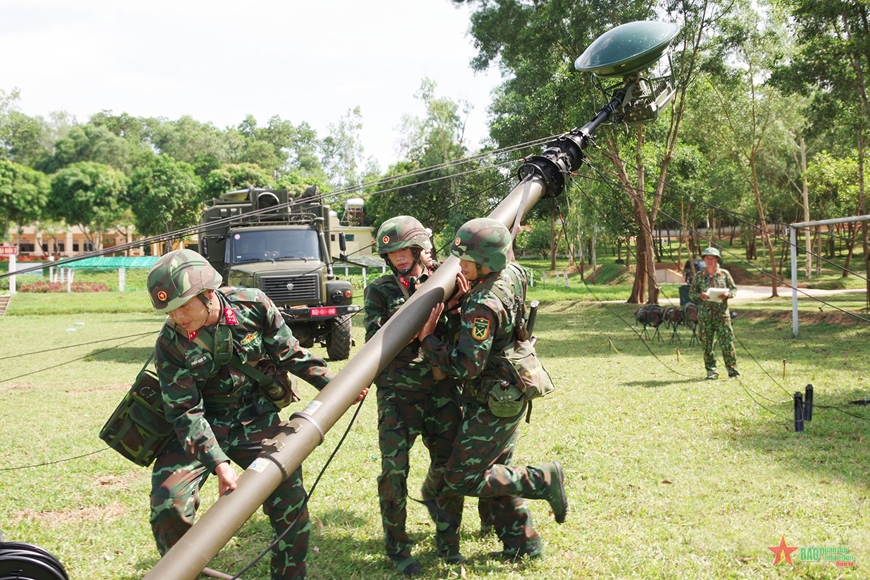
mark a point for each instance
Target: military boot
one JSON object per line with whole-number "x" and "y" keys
{"x": 554, "y": 493}
{"x": 534, "y": 550}
{"x": 407, "y": 566}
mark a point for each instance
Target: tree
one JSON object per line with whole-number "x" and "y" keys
{"x": 343, "y": 151}
{"x": 202, "y": 145}
{"x": 832, "y": 64}
{"x": 438, "y": 197}
{"x": 89, "y": 195}
{"x": 536, "y": 43}
{"x": 21, "y": 137}
{"x": 91, "y": 143}
{"x": 23, "y": 194}
{"x": 231, "y": 177}
{"x": 165, "y": 196}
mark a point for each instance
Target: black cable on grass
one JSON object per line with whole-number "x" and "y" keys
{"x": 77, "y": 345}
{"x": 71, "y": 361}
{"x": 308, "y": 495}
{"x": 45, "y": 463}
{"x": 632, "y": 327}
{"x": 748, "y": 391}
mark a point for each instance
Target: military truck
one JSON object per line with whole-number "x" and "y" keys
{"x": 256, "y": 239}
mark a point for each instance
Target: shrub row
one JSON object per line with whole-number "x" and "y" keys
{"x": 45, "y": 287}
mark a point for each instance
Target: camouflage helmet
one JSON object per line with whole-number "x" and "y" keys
{"x": 484, "y": 241}
{"x": 712, "y": 252}
{"x": 179, "y": 276}
{"x": 401, "y": 232}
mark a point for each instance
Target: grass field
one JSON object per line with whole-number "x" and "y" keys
{"x": 668, "y": 475}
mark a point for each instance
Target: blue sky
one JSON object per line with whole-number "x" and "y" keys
{"x": 219, "y": 61}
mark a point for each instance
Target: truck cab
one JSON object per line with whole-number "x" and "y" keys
{"x": 261, "y": 238}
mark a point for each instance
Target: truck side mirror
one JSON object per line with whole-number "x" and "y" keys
{"x": 342, "y": 246}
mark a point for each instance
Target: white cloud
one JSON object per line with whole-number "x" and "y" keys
{"x": 219, "y": 61}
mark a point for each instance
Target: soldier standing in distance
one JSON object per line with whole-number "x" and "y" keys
{"x": 218, "y": 411}
{"x": 480, "y": 464}
{"x": 412, "y": 401}
{"x": 714, "y": 319}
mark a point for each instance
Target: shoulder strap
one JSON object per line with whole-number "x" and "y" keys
{"x": 248, "y": 369}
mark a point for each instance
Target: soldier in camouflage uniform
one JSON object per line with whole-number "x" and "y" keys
{"x": 218, "y": 412}
{"x": 412, "y": 401}
{"x": 480, "y": 464}
{"x": 714, "y": 319}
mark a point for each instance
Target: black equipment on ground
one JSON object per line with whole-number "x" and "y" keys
{"x": 28, "y": 562}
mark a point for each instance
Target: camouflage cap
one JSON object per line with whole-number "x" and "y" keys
{"x": 485, "y": 241}
{"x": 179, "y": 276}
{"x": 712, "y": 252}
{"x": 401, "y": 232}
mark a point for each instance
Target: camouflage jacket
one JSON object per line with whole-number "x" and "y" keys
{"x": 702, "y": 282}
{"x": 409, "y": 370}
{"x": 485, "y": 327}
{"x": 188, "y": 375}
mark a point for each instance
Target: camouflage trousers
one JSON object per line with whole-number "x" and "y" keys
{"x": 712, "y": 327}
{"x": 403, "y": 415}
{"x": 480, "y": 466}
{"x": 176, "y": 480}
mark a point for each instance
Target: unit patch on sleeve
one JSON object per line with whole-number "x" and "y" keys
{"x": 480, "y": 329}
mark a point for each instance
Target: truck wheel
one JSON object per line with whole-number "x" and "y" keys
{"x": 339, "y": 339}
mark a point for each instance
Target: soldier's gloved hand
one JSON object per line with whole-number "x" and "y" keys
{"x": 226, "y": 477}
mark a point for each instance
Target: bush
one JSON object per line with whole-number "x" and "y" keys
{"x": 45, "y": 287}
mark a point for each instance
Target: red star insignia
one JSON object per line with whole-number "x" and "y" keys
{"x": 782, "y": 551}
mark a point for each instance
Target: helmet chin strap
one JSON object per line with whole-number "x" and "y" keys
{"x": 415, "y": 251}
{"x": 208, "y": 306}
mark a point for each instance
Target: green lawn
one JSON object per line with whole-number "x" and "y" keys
{"x": 668, "y": 475}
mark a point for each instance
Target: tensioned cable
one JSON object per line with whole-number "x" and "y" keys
{"x": 745, "y": 388}
{"x": 71, "y": 361}
{"x": 608, "y": 180}
{"x": 740, "y": 217}
{"x": 77, "y": 345}
{"x": 603, "y": 215}
{"x": 177, "y": 234}
{"x": 45, "y": 463}
{"x": 308, "y": 495}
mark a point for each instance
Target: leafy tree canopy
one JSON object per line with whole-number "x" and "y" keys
{"x": 88, "y": 194}
{"x": 165, "y": 196}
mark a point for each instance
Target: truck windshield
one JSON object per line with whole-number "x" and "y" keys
{"x": 273, "y": 245}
